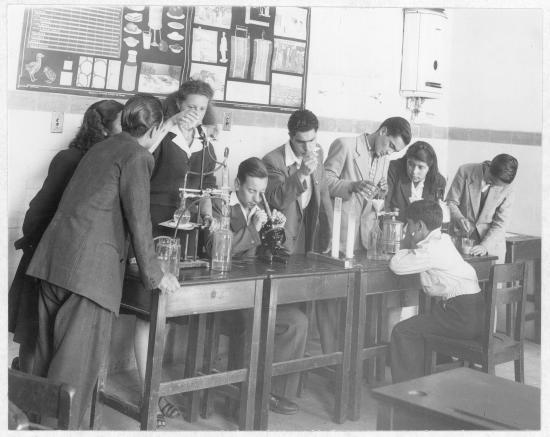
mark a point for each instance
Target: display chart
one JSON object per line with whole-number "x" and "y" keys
{"x": 253, "y": 57}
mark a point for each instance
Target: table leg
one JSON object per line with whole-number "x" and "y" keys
{"x": 267, "y": 338}
{"x": 212, "y": 343}
{"x": 384, "y": 418}
{"x": 153, "y": 370}
{"x": 248, "y": 386}
{"x": 343, "y": 370}
{"x": 372, "y": 305}
{"x": 195, "y": 348}
{"x": 381, "y": 333}
{"x": 358, "y": 340}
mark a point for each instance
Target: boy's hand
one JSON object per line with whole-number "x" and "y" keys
{"x": 479, "y": 250}
{"x": 169, "y": 283}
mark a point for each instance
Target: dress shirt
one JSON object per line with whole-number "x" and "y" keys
{"x": 290, "y": 160}
{"x": 378, "y": 164}
{"x": 248, "y": 214}
{"x": 416, "y": 192}
{"x": 443, "y": 271}
{"x": 183, "y": 143}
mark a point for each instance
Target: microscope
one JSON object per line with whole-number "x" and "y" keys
{"x": 272, "y": 236}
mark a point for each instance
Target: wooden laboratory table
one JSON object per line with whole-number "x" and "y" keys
{"x": 305, "y": 280}
{"x": 378, "y": 282}
{"x": 202, "y": 291}
{"x": 249, "y": 283}
{"x": 459, "y": 399}
{"x": 527, "y": 248}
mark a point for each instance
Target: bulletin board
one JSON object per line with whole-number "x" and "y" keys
{"x": 253, "y": 57}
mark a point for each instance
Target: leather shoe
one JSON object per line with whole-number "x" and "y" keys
{"x": 281, "y": 405}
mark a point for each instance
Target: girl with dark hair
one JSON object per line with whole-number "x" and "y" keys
{"x": 180, "y": 151}
{"x": 81, "y": 258}
{"x": 413, "y": 177}
{"x": 101, "y": 120}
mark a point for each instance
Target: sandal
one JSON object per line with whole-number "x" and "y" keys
{"x": 161, "y": 421}
{"x": 167, "y": 408}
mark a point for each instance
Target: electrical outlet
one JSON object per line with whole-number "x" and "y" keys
{"x": 57, "y": 123}
{"x": 227, "y": 120}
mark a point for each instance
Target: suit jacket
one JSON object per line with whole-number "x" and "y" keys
{"x": 84, "y": 248}
{"x": 399, "y": 187}
{"x": 283, "y": 189}
{"x": 349, "y": 161}
{"x": 464, "y": 197}
{"x": 245, "y": 237}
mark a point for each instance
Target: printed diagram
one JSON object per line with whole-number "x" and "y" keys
{"x": 289, "y": 56}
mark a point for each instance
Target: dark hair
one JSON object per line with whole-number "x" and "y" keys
{"x": 97, "y": 119}
{"x": 302, "y": 120}
{"x": 253, "y": 167}
{"x": 504, "y": 167}
{"x": 422, "y": 151}
{"x": 141, "y": 112}
{"x": 426, "y": 210}
{"x": 170, "y": 104}
{"x": 397, "y": 127}
{"x": 194, "y": 87}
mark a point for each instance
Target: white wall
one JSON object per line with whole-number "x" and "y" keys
{"x": 496, "y": 71}
{"x": 496, "y": 83}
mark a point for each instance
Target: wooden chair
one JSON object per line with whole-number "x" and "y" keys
{"x": 506, "y": 287}
{"x": 36, "y": 396}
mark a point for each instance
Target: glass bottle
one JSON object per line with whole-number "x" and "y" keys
{"x": 221, "y": 246}
{"x": 130, "y": 72}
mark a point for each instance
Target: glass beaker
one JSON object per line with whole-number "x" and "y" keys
{"x": 466, "y": 245}
{"x": 168, "y": 253}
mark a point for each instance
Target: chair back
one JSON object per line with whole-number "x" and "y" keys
{"x": 506, "y": 286}
{"x": 39, "y": 396}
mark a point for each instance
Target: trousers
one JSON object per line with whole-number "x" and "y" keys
{"x": 460, "y": 317}
{"x": 291, "y": 327}
{"x": 73, "y": 338}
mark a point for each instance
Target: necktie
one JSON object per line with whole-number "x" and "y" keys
{"x": 483, "y": 198}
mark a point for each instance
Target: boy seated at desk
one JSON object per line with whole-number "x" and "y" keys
{"x": 443, "y": 273}
{"x": 247, "y": 219}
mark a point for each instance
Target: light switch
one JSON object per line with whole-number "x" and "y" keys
{"x": 227, "y": 120}
{"x": 57, "y": 123}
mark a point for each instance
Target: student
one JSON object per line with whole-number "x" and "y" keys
{"x": 80, "y": 260}
{"x": 101, "y": 120}
{"x": 357, "y": 167}
{"x": 180, "y": 151}
{"x": 247, "y": 219}
{"x": 443, "y": 273}
{"x": 297, "y": 185}
{"x": 480, "y": 202}
{"x": 413, "y": 177}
